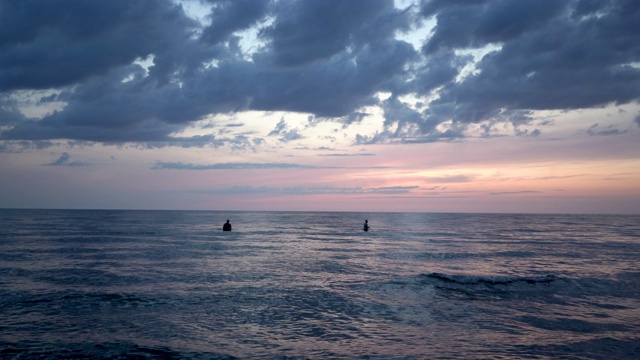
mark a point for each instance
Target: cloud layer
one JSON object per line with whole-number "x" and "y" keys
{"x": 163, "y": 165}
{"x": 140, "y": 71}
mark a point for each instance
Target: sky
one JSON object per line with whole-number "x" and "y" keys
{"x": 507, "y": 106}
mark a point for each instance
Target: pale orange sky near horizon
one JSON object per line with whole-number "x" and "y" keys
{"x": 381, "y": 106}
{"x": 495, "y": 175}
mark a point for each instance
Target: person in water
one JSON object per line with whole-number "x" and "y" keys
{"x": 366, "y": 225}
{"x": 226, "y": 226}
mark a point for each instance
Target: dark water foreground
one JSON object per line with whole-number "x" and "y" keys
{"x": 164, "y": 284}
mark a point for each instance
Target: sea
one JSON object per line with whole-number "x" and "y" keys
{"x": 107, "y": 284}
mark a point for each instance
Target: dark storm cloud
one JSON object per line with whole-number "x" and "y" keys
{"x": 306, "y": 31}
{"x": 113, "y": 100}
{"x": 469, "y": 24}
{"x": 9, "y": 113}
{"x": 229, "y": 16}
{"x": 325, "y": 58}
{"x": 562, "y": 55}
{"x": 45, "y": 44}
{"x": 439, "y": 68}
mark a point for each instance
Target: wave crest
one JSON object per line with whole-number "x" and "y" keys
{"x": 491, "y": 280}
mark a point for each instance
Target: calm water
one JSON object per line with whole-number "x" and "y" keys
{"x": 159, "y": 284}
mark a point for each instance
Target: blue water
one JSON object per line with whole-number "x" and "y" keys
{"x": 302, "y": 285}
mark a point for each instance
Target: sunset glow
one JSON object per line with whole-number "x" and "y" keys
{"x": 322, "y": 105}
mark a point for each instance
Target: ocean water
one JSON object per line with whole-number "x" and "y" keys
{"x": 313, "y": 285}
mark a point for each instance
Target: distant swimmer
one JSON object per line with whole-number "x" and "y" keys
{"x": 226, "y": 226}
{"x": 366, "y": 225}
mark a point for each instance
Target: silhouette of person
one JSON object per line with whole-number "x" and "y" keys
{"x": 366, "y": 225}
{"x": 226, "y": 226}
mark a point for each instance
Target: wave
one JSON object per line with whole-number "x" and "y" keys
{"x": 491, "y": 280}
{"x": 110, "y": 350}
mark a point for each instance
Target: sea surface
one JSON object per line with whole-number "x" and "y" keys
{"x": 314, "y": 285}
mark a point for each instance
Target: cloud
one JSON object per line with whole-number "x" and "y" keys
{"x": 393, "y": 189}
{"x": 465, "y": 24}
{"x": 280, "y": 126}
{"x": 22, "y": 145}
{"x": 47, "y": 44}
{"x": 64, "y": 160}
{"x": 307, "y": 31}
{"x": 499, "y": 193}
{"x": 347, "y": 155}
{"x": 562, "y": 56}
{"x": 228, "y": 16}
{"x": 9, "y": 112}
{"x": 311, "y": 190}
{"x": 449, "y": 179}
{"x": 110, "y": 98}
{"x": 140, "y": 71}
{"x": 163, "y": 165}
{"x": 284, "y": 134}
{"x": 594, "y": 130}
{"x": 168, "y": 165}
